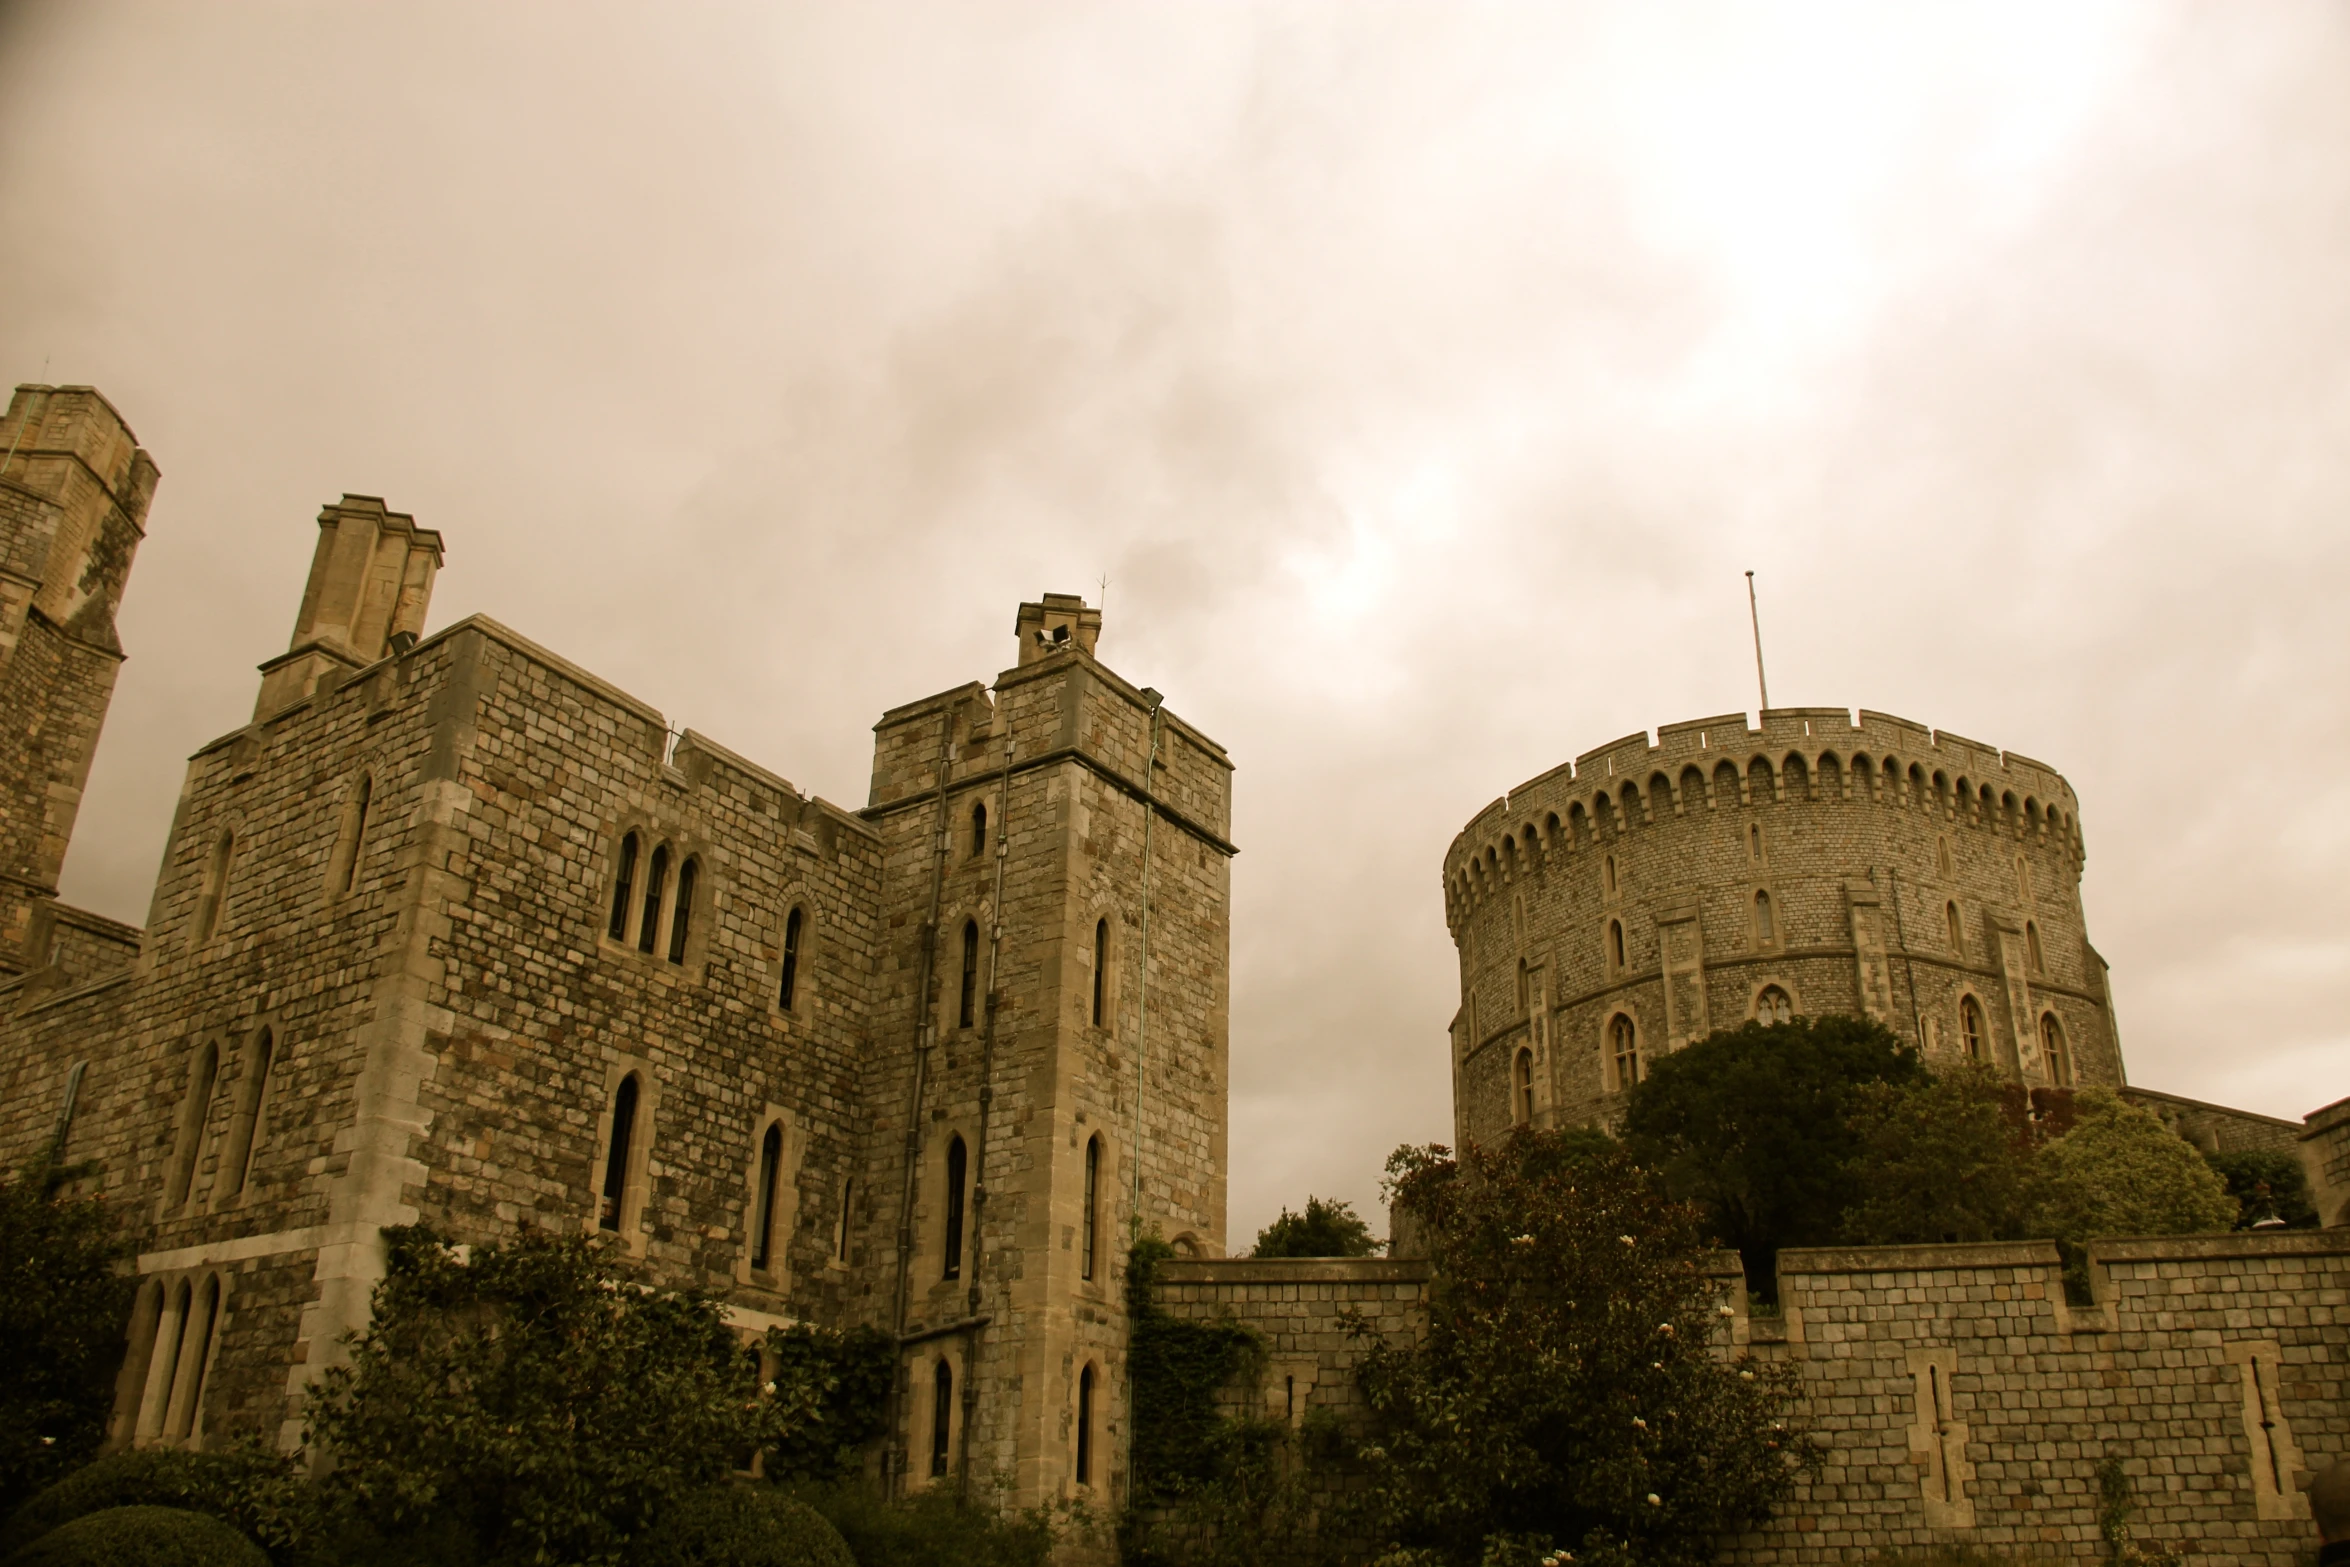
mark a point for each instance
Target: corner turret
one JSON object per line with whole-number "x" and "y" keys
{"x": 370, "y": 584}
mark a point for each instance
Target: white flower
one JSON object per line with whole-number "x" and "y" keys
{"x": 1746, "y": 1376}
{"x": 1521, "y": 1240}
{"x": 1626, "y": 1239}
{"x": 1664, "y": 1327}
{"x": 1642, "y": 1424}
{"x": 769, "y": 1389}
{"x": 1725, "y": 1311}
{"x": 1655, "y": 1500}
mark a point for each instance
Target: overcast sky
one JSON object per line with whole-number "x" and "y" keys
{"x": 1422, "y": 380}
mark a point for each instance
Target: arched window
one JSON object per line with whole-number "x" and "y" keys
{"x": 848, "y": 1191}
{"x": 942, "y": 1417}
{"x": 1101, "y": 970}
{"x": 608, "y": 1212}
{"x": 958, "y": 1170}
{"x": 1524, "y": 994}
{"x": 163, "y": 1369}
{"x": 788, "y": 990}
{"x": 770, "y": 1174}
{"x": 1615, "y": 945}
{"x": 195, "y": 1112}
{"x": 978, "y": 829}
{"x": 1522, "y": 1089}
{"x": 236, "y": 1158}
{"x": 681, "y": 920}
{"x": 2032, "y": 947}
{"x": 1085, "y": 1426}
{"x": 656, "y": 883}
{"x": 185, "y": 1411}
{"x": 214, "y": 898}
{"x": 1088, "y": 1244}
{"x": 1970, "y": 1027}
{"x": 1774, "y": 1005}
{"x": 623, "y": 884}
{"x": 2023, "y": 878}
{"x": 2060, "y": 1064}
{"x": 353, "y": 837}
{"x": 967, "y": 1008}
{"x": 1766, "y": 930}
{"x": 1624, "y": 1045}
{"x": 1608, "y": 872}
{"x": 1754, "y": 842}
{"x": 1957, "y": 931}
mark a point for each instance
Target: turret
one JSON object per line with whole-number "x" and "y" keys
{"x": 370, "y": 584}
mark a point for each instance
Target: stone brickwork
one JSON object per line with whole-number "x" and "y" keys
{"x": 1301, "y": 1307}
{"x": 2325, "y": 1153}
{"x": 1649, "y": 894}
{"x": 455, "y": 932}
{"x": 74, "y": 489}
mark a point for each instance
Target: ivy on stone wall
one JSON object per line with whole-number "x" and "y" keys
{"x": 1180, "y": 1442}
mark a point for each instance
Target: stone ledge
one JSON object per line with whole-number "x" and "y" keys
{"x": 1918, "y": 1259}
{"x": 1294, "y": 1270}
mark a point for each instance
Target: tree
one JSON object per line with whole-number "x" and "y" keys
{"x": 2120, "y": 1171}
{"x": 64, "y": 1301}
{"x": 1325, "y": 1229}
{"x": 1754, "y": 1125}
{"x": 2267, "y": 1185}
{"x": 1567, "y": 1392}
{"x": 533, "y": 1403}
{"x": 1939, "y": 1159}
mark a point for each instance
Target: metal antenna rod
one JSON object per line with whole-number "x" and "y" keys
{"x": 1755, "y": 615}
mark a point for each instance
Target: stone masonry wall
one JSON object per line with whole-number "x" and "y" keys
{"x": 1299, "y": 1305}
{"x": 1861, "y": 839}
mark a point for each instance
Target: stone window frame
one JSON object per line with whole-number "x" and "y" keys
{"x": 1615, "y": 947}
{"x": 1982, "y": 1050}
{"x": 796, "y": 897}
{"x": 1954, "y": 927}
{"x": 192, "y": 1122}
{"x": 1772, "y": 982}
{"x": 354, "y": 809}
{"x": 636, "y": 1180}
{"x": 931, "y": 1230}
{"x": 843, "y": 1227}
{"x": 1097, "y": 1143}
{"x": 938, "y": 1458}
{"x": 1103, "y": 913}
{"x": 209, "y": 922}
{"x": 248, "y": 1107}
{"x": 1938, "y": 1441}
{"x": 783, "y": 1222}
{"x": 1085, "y": 1413}
{"x": 979, "y": 913}
{"x": 1611, "y": 1077}
{"x": 159, "y": 1398}
{"x": 2057, "y": 1059}
{"x": 1766, "y": 920}
{"x": 2034, "y": 953}
{"x": 685, "y": 847}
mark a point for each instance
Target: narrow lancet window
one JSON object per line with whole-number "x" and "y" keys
{"x": 1101, "y": 969}
{"x": 214, "y": 898}
{"x": 978, "y": 829}
{"x": 1085, "y": 1426}
{"x": 355, "y": 835}
{"x": 967, "y": 1006}
{"x": 958, "y": 1170}
{"x": 1615, "y": 945}
{"x": 2060, "y": 1066}
{"x": 236, "y": 1160}
{"x": 788, "y": 990}
{"x": 848, "y": 1191}
{"x": 195, "y": 1111}
{"x": 1522, "y": 1089}
{"x": 1970, "y": 1027}
{"x": 1624, "y": 1044}
{"x": 1766, "y": 930}
{"x": 763, "y": 1217}
{"x": 608, "y": 1214}
{"x": 942, "y": 1416}
{"x": 681, "y": 922}
{"x": 1087, "y": 1244}
{"x": 656, "y": 883}
{"x": 1957, "y": 931}
{"x": 623, "y": 883}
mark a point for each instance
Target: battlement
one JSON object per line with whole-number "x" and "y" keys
{"x": 1811, "y": 740}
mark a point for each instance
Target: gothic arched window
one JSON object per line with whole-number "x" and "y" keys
{"x": 236, "y": 1159}
{"x": 1766, "y": 929}
{"x": 1088, "y": 1242}
{"x": 770, "y": 1176}
{"x": 1522, "y": 1089}
{"x": 1085, "y": 1426}
{"x": 2032, "y": 950}
{"x": 195, "y": 1112}
{"x": 608, "y": 1211}
{"x": 1101, "y": 970}
{"x": 1970, "y": 1027}
{"x": 1957, "y": 931}
{"x": 656, "y": 883}
{"x": 1774, "y": 1005}
{"x": 942, "y": 1416}
{"x": 681, "y": 920}
{"x": 623, "y": 883}
{"x": 2060, "y": 1064}
{"x": 958, "y": 1172}
{"x": 978, "y": 829}
{"x": 967, "y": 1007}
{"x": 787, "y": 990}
{"x": 1615, "y": 945}
{"x": 1624, "y": 1046}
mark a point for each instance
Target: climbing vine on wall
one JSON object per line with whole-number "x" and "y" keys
{"x": 1180, "y": 1442}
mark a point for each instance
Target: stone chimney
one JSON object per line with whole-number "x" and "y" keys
{"x": 1058, "y": 623}
{"x": 370, "y": 584}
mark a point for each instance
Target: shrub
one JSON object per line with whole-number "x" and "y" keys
{"x": 838, "y": 1385}
{"x": 259, "y": 1494}
{"x": 2120, "y": 1171}
{"x": 739, "y": 1526}
{"x": 1939, "y": 1161}
{"x": 535, "y": 1398}
{"x": 933, "y": 1528}
{"x": 1566, "y": 1392}
{"x": 2266, "y": 1186}
{"x": 62, "y": 1305}
{"x": 1325, "y": 1229}
{"x": 142, "y": 1537}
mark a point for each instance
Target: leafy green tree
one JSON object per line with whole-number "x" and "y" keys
{"x": 2267, "y": 1185}
{"x": 2120, "y": 1171}
{"x": 1325, "y": 1229}
{"x": 1567, "y": 1392}
{"x": 839, "y": 1382}
{"x": 533, "y": 1403}
{"x": 1939, "y": 1159}
{"x": 1755, "y": 1126}
{"x": 64, "y": 1299}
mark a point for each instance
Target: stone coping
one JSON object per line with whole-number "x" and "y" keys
{"x": 1293, "y": 1270}
{"x": 1917, "y": 1259}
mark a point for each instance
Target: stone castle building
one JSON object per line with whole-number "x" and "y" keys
{"x": 454, "y": 931}
{"x": 1638, "y": 898}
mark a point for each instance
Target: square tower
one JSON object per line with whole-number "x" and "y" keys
{"x": 1050, "y": 1048}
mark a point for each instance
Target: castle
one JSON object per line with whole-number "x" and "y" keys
{"x": 453, "y": 931}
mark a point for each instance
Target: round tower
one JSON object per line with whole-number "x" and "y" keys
{"x": 1616, "y": 908}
